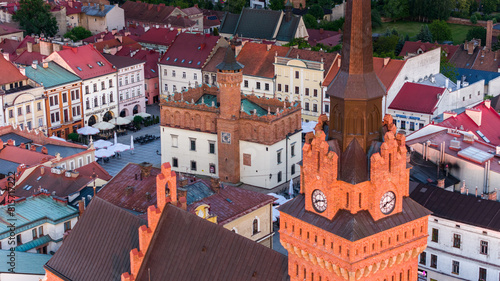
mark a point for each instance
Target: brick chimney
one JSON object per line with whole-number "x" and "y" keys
{"x": 29, "y": 47}
{"x": 489, "y": 34}
{"x": 475, "y": 115}
{"x": 487, "y": 103}
{"x": 440, "y": 183}
{"x": 145, "y": 169}
{"x": 44, "y": 150}
{"x": 448, "y": 114}
{"x": 215, "y": 184}
{"x": 45, "y": 48}
{"x": 1, "y": 144}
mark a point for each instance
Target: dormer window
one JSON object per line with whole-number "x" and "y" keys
{"x": 199, "y": 48}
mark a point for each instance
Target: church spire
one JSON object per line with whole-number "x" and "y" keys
{"x": 356, "y": 92}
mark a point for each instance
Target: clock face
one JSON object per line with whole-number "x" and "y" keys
{"x": 388, "y": 202}
{"x": 319, "y": 201}
{"x": 225, "y": 137}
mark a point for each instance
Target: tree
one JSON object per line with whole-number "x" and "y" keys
{"x": 489, "y": 6}
{"x": 385, "y": 46}
{"x": 463, "y": 6}
{"x": 397, "y": 9}
{"x": 310, "y": 21}
{"x": 425, "y": 34}
{"x": 317, "y": 11}
{"x": 477, "y": 32}
{"x": 276, "y": 5}
{"x": 78, "y": 33}
{"x": 376, "y": 19}
{"x": 440, "y": 31}
{"x": 216, "y": 31}
{"x": 235, "y": 6}
{"x": 447, "y": 68}
{"x": 35, "y": 18}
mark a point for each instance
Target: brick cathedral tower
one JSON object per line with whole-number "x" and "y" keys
{"x": 353, "y": 219}
{"x": 229, "y": 77}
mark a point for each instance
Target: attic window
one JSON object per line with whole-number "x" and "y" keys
{"x": 90, "y": 66}
{"x": 190, "y": 61}
{"x": 175, "y": 59}
{"x": 199, "y": 63}
{"x": 99, "y": 63}
{"x": 183, "y": 61}
{"x": 168, "y": 58}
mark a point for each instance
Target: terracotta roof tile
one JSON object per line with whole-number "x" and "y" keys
{"x": 258, "y": 59}
{"x": 151, "y": 57}
{"x": 6, "y": 29}
{"x": 145, "y": 12}
{"x": 416, "y": 97}
{"x": 158, "y": 36}
{"x": 325, "y": 37}
{"x": 27, "y": 58}
{"x": 23, "y": 156}
{"x": 79, "y": 59}
{"x": 9, "y": 73}
{"x": 413, "y": 47}
{"x": 327, "y": 58}
{"x": 190, "y": 50}
{"x": 217, "y": 58}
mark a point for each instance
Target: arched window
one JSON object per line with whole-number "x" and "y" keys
{"x": 256, "y": 226}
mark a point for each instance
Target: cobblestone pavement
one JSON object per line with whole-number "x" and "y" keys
{"x": 141, "y": 153}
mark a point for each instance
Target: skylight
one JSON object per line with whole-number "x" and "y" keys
{"x": 79, "y": 68}
{"x": 190, "y": 61}
{"x": 175, "y": 59}
{"x": 99, "y": 63}
{"x": 168, "y": 58}
{"x": 153, "y": 70}
{"x": 90, "y": 66}
{"x": 199, "y": 63}
{"x": 182, "y": 60}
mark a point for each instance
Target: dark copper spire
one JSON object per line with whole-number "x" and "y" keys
{"x": 356, "y": 92}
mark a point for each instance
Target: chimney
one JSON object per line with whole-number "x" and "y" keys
{"x": 81, "y": 207}
{"x": 45, "y": 64}
{"x": 492, "y": 196}
{"x": 29, "y": 47}
{"x": 215, "y": 184}
{"x": 42, "y": 170}
{"x": 440, "y": 183}
{"x": 34, "y": 64}
{"x": 470, "y": 47}
{"x": 321, "y": 31}
{"x": 183, "y": 182}
{"x": 487, "y": 103}
{"x": 268, "y": 47}
{"x": 45, "y": 48}
{"x": 448, "y": 114}
{"x": 447, "y": 83}
{"x": 474, "y": 114}
{"x": 33, "y": 148}
{"x": 145, "y": 169}
{"x": 44, "y": 150}
{"x": 489, "y": 34}
{"x": 386, "y": 61}
{"x": 113, "y": 31}
{"x": 1, "y": 144}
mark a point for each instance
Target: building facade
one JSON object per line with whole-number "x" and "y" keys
{"x": 99, "y": 17}
{"x": 63, "y": 101}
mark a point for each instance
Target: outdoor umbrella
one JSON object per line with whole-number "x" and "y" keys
{"x": 57, "y": 138}
{"x": 143, "y": 114}
{"x": 119, "y": 121}
{"x": 102, "y": 144}
{"x": 100, "y": 153}
{"x": 87, "y": 130}
{"x": 132, "y": 143}
{"x": 103, "y": 126}
{"x": 290, "y": 189}
{"x": 130, "y": 117}
{"x": 115, "y": 138}
{"x": 119, "y": 147}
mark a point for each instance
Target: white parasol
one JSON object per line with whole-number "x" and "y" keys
{"x": 103, "y": 126}
{"x": 119, "y": 147}
{"x": 131, "y": 142}
{"x": 143, "y": 114}
{"x": 118, "y": 121}
{"x": 102, "y": 144}
{"x": 115, "y": 139}
{"x": 87, "y": 130}
{"x": 104, "y": 153}
{"x": 290, "y": 189}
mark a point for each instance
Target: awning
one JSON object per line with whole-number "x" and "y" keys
{"x": 34, "y": 243}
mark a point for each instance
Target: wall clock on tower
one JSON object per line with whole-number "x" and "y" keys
{"x": 319, "y": 201}
{"x": 226, "y": 137}
{"x": 387, "y": 202}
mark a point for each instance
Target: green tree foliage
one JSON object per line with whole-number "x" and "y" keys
{"x": 35, "y": 18}
{"x": 440, "y": 31}
{"x": 385, "y": 46}
{"x": 473, "y": 19}
{"x": 463, "y": 6}
{"x": 489, "y": 6}
{"x": 316, "y": 11}
{"x": 216, "y": 31}
{"x": 276, "y": 5}
{"x": 310, "y": 21}
{"x": 447, "y": 68}
{"x": 427, "y": 10}
{"x": 401, "y": 43}
{"x": 477, "y": 32}
{"x": 78, "y": 33}
{"x": 235, "y": 6}
{"x": 397, "y": 9}
{"x": 327, "y": 4}
{"x": 425, "y": 34}
{"x": 376, "y": 19}
{"x": 332, "y": 25}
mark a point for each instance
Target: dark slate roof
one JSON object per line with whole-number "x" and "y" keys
{"x": 425, "y": 172}
{"x": 99, "y": 246}
{"x": 229, "y": 62}
{"x": 229, "y": 23}
{"x": 7, "y": 166}
{"x": 458, "y": 207}
{"x": 186, "y": 247}
{"x": 16, "y": 138}
{"x": 196, "y": 191}
{"x": 495, "y": 103}
{"x": 122, "y": 61}
{"x": 287, "y": 29}
{"x": 357, "y": 226}
{"x": 64, "y": 151}
{"x": 473, "y": 75}
{"x": 354, "y": 164}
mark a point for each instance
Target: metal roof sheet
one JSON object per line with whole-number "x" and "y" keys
{"x": 16, "y": 138}
{"x": 26, "y": 263}
{"x": 34, "y": 243}
{"x": 52, "y": 76}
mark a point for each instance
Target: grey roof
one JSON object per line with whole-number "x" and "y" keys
{"x": 423, "y": 171}
{"x": 65, "y": 151}
{"x": 16, "y": 138}
{"x": 458, "y": 207}
{"x": 357, "y": 226}
{"x": 197, "y": 191}
{"x": 287, "y": 29}
{"x": 473, "y": 75}
{"x": 7, "y": 166}
{"x": 229, "y": 62}
{"x": 95, "y": 12}
{"x": 229, "y": 23}
{"x": 26, "y": 263}
{"x": 121, "y": 61}
{"x": 99, "y": 246}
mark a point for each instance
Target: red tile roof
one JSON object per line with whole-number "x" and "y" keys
{"x": 327, "y": 58}
{"x": 9, "y": 46}
{"x": 150, "y": 56}
{"x": 413, "y": 47}
{"x": 60, "y": 184}
{"x": 145, "y": 12}
{"x": 105, "y": 35}
{"x": 23, "y": 156}
{"x": 231, "y": 203}
{"x": 128, "y": 189}
{"x": 192, "y": 11}
{"x": 258, "y": 59}
{"x": 217, "y": 58}
{"x": 9, "y": 73}
{"x": 490, "y": 123}
{"x": 158, "y": 36}
{"x": 80, "y": 58}
{"x": 27, "y": 58}
{"x": 190, "y": 50}
{"x": 207, "y": 23}
{"x": 6, "y": 29}
{"x": 180, "y": 22}
{"x": 325, "y": 37}
{"x": 417, "y": 98}
{"x": 114, "y": 43}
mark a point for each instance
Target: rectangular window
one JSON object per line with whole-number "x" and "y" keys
{"x": 33, "y": 232}
{"x": 211, "y": 147}
{"x": 103, "y": 86}
{"x": 28, "y": 124}
{"x": 403, "y": 124}
{"x": 95, "y": 86}
{"x": 423, "y": 258}
{"x": 297, "y": 90}
{"x": 484, "y": 247}
{"x": 193, "y": 165}
{"x": 286, "y": 88}
{"x": 211, "y": 168}
{"x": 195, "y": 76}
{"x": 173, "y": 73}
{"x": 65, "y": 97}
{"x": 19, "y": 111}
{"x": 306, "y": 107}
{"x": 110, "y": 83}
{"x": 455, "y": 267}
{"x": 482, "y": 274}
{"x": 456, "y": 240}
{"x": 175, "y": 162}
{"x": 40, "y": 230}
{"x": 51, "y": 101}
{"x": 39, "y": 106}
{"x": 327, "y": 108}
{"x": 87, "y": 89}
{"x": 296, "y": 75}
{"x": 292, "y": 150}
{"x": 166, "y": 87}
{"x": 412, "y": 126}
{"x": 138, "y": 76}
{"x": 245, "y": 83}
{"x": 435, "y": 235}
{"x": 183, "y": 74}
{"x": 434, "y": 261}
{"x": 67, "y": 226}
{"x": 307, "y": 91}
{"x": 266, "y": 86}
{"x": 278, "y": 157}
{"x": 19, "y": 240}
{"x": 279, "y": 87}
{"x": 192, "y": 144}
{"x": 132, "y": 78}
{"x": 258, "y": 85}
{"x": 292, "y": 169}
{"x": 280, "y": 176}
{"x": 315, "y": 93}
{"x": 120, "y": 82}
{"x": 175, "y": 140}
{"x": 165, "y": 72}
{"x": 11, "y": 113}
{"x": 28, "y": 109}
{"x": 315, "y": 107}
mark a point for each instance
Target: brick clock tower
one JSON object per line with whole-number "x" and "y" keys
{"x": 353, "y": 219}
{"x": 229, "y": 78}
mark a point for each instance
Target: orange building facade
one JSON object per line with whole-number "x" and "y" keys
{"x": 64, "y": 109}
